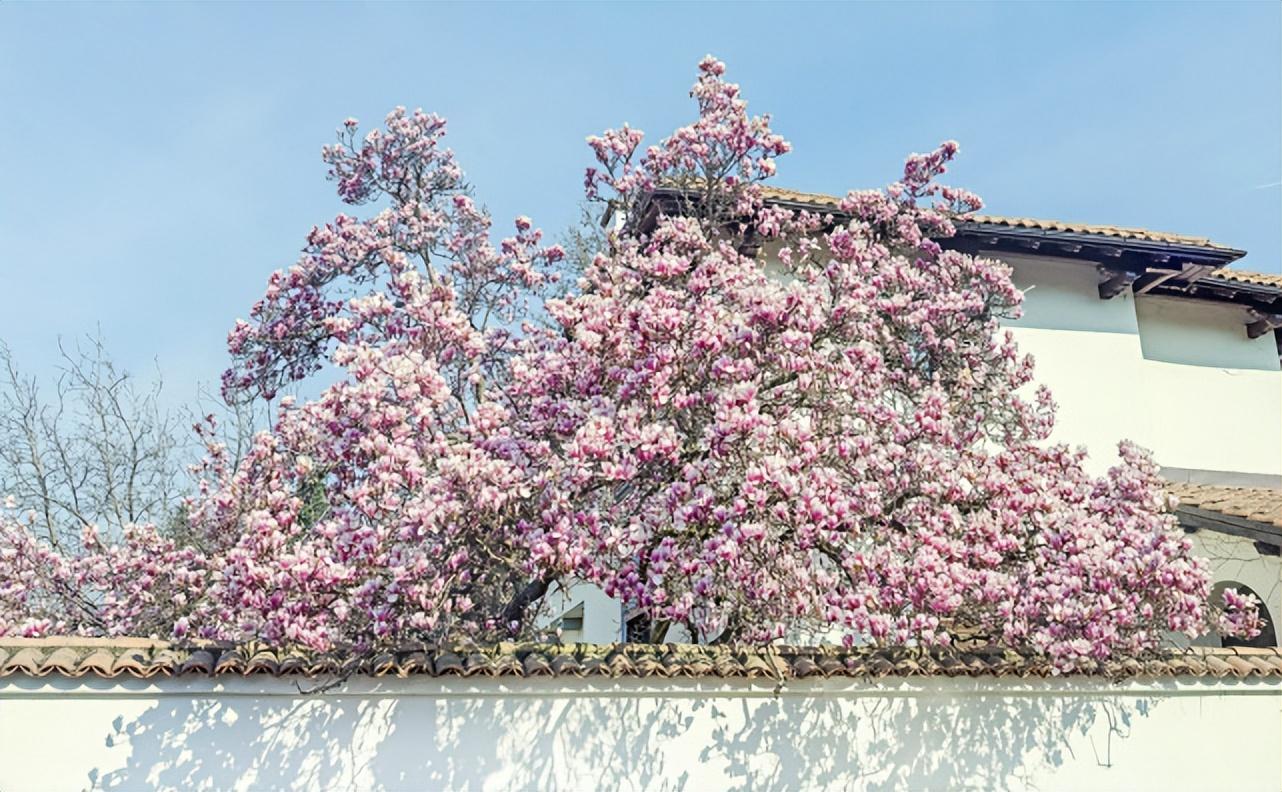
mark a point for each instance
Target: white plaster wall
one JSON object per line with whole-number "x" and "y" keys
{"x": 1097, "y": 387}
{"x": 602, "y": 615}
{"x": 1179, "y": 377}
{"x": 1199, "y": 333}
{"x": 425, "y": 734}
{"x": 1063, "y": 294}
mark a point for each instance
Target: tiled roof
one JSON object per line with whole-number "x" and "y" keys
{"x": 143, "y": 658}
{"x": 821, "y": 201}
{"x": 1250, "y": 503}
{"x": 1119, "y": 232}
{"x": 1253, "y": 278}
{"x": 818, "y": 200}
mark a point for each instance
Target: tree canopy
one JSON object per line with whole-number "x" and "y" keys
{"x": 755, "y": 422}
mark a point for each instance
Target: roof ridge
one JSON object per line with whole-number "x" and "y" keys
{"x": 1200, "y": 485}
{"x": 1140, "y": 233}
{"x": 1248, "y": 276}
{"x": 1002, "y": 218}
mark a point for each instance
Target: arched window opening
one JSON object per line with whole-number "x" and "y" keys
{"x": 1268, "y": 636}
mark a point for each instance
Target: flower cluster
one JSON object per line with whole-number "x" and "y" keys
{"x": 142, "y": 584}
{"x": 836, "y": 443}
{"x": 750, "y": 421}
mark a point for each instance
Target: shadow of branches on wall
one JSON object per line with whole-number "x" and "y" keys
{"x": 616, "y": 736}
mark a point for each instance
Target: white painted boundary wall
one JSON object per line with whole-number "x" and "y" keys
{"x": 433, "y": 734}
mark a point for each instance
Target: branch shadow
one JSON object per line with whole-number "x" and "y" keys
{"x": 612, "y": 736}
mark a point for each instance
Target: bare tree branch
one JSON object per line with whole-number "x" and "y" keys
{"x": 99, "y": 449}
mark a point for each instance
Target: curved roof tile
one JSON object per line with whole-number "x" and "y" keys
{"x": 1251, "y": 503}
{"x": 75, "y": 657}
{"x": 830, "y": 202}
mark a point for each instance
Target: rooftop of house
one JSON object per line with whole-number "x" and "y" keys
{"x": 1253, "y": 513}
{"x": 1258, "y": 504}
{"x": 832, "y": 202}
{"x": 1144, "y": 261}
{"x": 114, "y": 657}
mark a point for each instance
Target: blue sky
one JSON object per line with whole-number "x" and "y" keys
{"x": 160, "y": 161}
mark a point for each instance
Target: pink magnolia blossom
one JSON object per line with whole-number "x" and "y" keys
{"x": 144, "y": 584}
{"x": 844, "y": 444}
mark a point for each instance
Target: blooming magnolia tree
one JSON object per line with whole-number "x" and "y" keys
{"x": 753, "y": 422}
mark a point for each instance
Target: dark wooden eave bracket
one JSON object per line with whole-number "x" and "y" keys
{"x": 1152, "y": 272}
{"x": 1260, "y": 323}
{"x": 1115, "y": 282}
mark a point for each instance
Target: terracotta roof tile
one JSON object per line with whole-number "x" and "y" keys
{"x": 75, "y": 657}
{"x": 1118, "y": 232}
{"x": 1253, "y": 278}
{"x": 99, "y": 662}
{"x": 1251, "y": 503}
{"x": 830, "y": 202}
{"x": 817, "y": 200}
